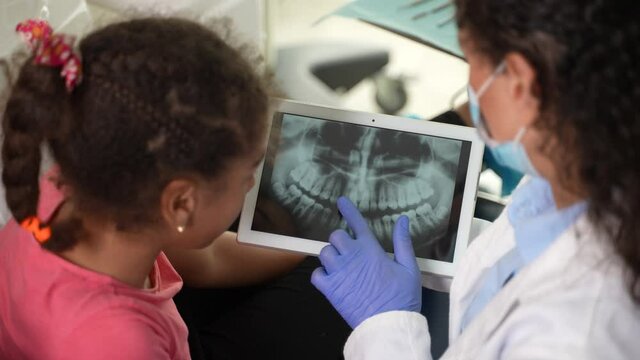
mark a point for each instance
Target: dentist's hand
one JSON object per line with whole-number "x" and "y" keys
{"x": 358, "y": 277}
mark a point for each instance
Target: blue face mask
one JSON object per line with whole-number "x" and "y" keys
{"x": 509, "y": 153}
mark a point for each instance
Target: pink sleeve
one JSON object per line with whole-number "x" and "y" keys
{"x": 115, "y": 336}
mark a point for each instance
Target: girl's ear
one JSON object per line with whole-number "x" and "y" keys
{"x": 523, "y": 85}
{"x": 178, "y": 204}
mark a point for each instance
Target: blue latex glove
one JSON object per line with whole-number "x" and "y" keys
{"x": 359, "y": 278}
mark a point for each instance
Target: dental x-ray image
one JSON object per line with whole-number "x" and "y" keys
{"x": 386, "y": 173}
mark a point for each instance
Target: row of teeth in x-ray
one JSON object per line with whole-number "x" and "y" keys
{"x": 312, "y": 213}
{"x": 393, "y": 197}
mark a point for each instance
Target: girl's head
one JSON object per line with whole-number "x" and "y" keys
{"x": 571, "y": 79}
{"x": 163, "y": 133}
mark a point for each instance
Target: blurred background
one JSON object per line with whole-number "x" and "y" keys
{"x": 430, "y": 77}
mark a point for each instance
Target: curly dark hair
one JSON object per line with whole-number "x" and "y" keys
{"x": 159, "y": 98}
{"x": 586, "y": 56}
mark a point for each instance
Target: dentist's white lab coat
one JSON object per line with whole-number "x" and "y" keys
{"x": 569, "y": 303}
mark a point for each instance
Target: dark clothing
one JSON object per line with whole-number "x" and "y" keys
{"x": 285, "y": 319}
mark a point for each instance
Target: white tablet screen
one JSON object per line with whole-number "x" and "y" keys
{"x": 310, "y": 162}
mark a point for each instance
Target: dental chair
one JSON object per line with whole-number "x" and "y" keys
{"x": 321, "y": 73}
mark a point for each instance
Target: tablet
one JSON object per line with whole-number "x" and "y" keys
{"x": 388, "y": 166}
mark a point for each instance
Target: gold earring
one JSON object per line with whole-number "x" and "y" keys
{"x": 180, "y": 229}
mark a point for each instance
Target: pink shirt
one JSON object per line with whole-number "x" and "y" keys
{"x": 53, "y": 309}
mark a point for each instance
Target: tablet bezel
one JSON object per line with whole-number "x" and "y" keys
{"x": 312, "y": 247}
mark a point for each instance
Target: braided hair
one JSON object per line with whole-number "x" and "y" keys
{"x": 585, "y": 53}
{"x": 160, "y": 98}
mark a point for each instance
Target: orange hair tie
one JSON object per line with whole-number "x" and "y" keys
{"x": 32, "y": 225}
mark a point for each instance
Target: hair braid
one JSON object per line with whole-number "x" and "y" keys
{"x": 25, "y": 127}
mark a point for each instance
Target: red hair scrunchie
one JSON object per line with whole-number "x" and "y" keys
{"x": 52, "y": 49}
